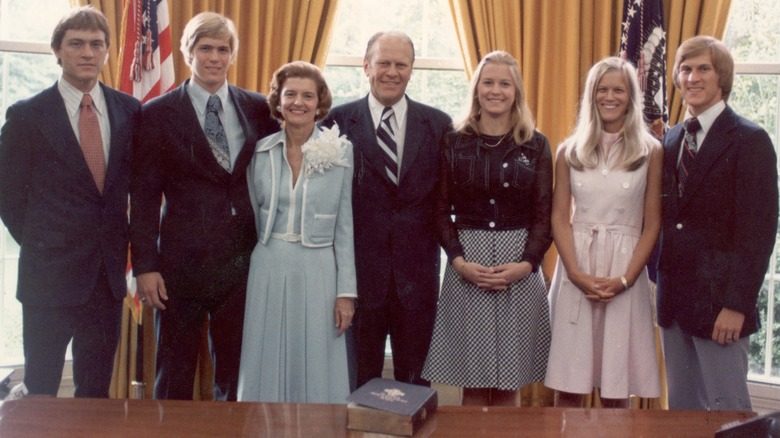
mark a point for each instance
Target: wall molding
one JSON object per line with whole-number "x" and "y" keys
{"x": 765, "y": 398}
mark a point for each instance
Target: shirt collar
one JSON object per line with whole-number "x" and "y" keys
{"x": 707, "y": 118}
{"x": 72, "y": 97}
{"x": 200, "y": 96}
{"x": 399, "y": 109}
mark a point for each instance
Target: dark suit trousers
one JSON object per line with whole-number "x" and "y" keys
{"x": 178, "y": 329}
{"x": 94, "y": 328}
{"x": 410, "y": 333}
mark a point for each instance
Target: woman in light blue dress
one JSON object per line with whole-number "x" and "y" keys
{"x": 302, "y": 274}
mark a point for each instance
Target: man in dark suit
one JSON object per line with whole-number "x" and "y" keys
{"x": 197, "y": 142}
{"x": 393, "y": 196}
{"x": 64, "y": 175}
{"x": 719, "y": 228}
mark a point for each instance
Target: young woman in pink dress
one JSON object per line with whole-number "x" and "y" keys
{"x": 608, "y": 175}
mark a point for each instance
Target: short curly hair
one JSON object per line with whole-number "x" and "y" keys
{"x": 305, "y": 70}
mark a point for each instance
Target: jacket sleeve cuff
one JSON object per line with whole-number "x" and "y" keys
{"x": 454, "y": 251}
{"x": 533, "y": 261}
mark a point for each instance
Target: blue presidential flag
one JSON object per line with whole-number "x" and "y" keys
{"x": 643, "y": 43}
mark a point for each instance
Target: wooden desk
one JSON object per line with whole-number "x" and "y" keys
{"x": 50, "y": 417}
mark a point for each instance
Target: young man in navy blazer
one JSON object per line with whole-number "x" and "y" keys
{"x": 396, "y": 254}
{"x": 63, "y": 197}
{"x": 206, "y": 232}
{"x": 720, "y": 205}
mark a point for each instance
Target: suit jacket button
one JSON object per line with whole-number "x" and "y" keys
{"x": 679, "y": 226}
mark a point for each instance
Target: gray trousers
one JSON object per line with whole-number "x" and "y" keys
{"x": 704, "y": 375}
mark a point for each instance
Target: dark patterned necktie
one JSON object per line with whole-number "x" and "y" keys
{"x": 215, "y": 133}
{"x": 688, "y": 157}
{"x": 387, "y": 142}
{"x": 92, "y": 142}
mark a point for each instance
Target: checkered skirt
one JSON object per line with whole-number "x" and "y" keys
{"x": 490, "y": 339}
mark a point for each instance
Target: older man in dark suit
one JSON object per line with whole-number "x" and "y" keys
{"x": 719, "y": 228}
{"x": 396, "y": 146}
{"x": 197, "y": 142}
{"x": 64, "y": 174}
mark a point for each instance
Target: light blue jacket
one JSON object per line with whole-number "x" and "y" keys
{"x": 327, "y": 204}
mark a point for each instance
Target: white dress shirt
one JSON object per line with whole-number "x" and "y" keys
{"x": 399, "y": 111}
{"x": 72, "y": 97}
{"x": 706, "y": 119}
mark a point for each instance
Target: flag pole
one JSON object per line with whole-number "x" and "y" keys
{"x": 138, "y": 384}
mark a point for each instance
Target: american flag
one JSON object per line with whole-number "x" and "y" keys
{"x": 643, "y": 43}
{"x": 146, "y": 64}
{"x": 145, "y": 71}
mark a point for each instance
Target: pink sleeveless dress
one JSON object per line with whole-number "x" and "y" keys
{"x": 607, "y": 345}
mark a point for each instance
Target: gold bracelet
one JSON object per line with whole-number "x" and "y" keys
{"x": 624, "y": 281}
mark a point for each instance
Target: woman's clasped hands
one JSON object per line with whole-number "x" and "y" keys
{"x": 602, "y": 289}
{"x": 492, "y": 278}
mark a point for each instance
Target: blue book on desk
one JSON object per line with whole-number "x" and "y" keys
{"x": 389, "y": 406}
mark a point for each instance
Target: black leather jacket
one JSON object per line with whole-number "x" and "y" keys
{"x": 508, "y": 186}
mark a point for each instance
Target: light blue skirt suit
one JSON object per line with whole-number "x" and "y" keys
{"x": 303, "y": 260}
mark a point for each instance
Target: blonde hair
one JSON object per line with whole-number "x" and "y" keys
{"x": 209, "y": 25}
{"x": 522, "y": 119}
{"x": 582, "y": 149}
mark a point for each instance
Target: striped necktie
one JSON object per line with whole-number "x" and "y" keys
{"x": 387, "y": 142}
{"x": 688, "y": 157}
{"x": 92, "y": 142}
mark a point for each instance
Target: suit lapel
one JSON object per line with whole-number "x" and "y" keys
{"x": 715, "y": 143}
{"x": 414, "y": 139}
{"x": 364, "y": 139}
{"x": 60, "y": 135}
{"x": 188, "y": 126}
{"x": 275, "y": 161}
{"x": 250, "y": 132}
{"x": 120, "y": 122}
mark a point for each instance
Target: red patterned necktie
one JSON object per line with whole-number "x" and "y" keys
{"x": 92, "y": 141}
{"x": 688, "y": 157}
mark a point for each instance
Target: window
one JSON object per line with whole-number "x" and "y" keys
{"x": 438, "y": 80}
{"x": 753, "y": 37}
{"x": 27, "y": 66}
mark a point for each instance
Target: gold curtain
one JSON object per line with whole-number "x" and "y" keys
{"x": 271, "y": 33}
{"x": 685, "y": 19}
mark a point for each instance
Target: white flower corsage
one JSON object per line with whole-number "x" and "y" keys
{"x": 324, "y": 151}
